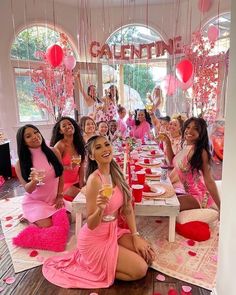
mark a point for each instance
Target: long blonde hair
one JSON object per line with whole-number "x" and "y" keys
{"x": 116, "y": 173}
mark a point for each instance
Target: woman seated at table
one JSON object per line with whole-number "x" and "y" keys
{"x": 142, "y": 125}
{"x": 68, "y": 140}
{"x": 104, "y": 251}
{"x": 173, "y": 137}
{"x": 103, "y": 129}
{"x": 192, "y": 167}
{"x": 113, "y": 131}
{"x": 88, "y": 127}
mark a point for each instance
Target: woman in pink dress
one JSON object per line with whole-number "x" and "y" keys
{"x": 192, "y": 168}
{"x": 122, "y": 127}
{"x": 40, "y": 202}
{"x": 104, "y": 251}
{"x": 67, "y": 139}
{"x": 142, "y": 125}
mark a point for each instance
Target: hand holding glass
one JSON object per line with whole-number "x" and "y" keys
{"x": 107, "y": 187}
{"x": 76, "y": 159}
{"x": 39, "y": 175}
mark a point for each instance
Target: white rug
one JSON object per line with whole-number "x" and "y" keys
{"x": 10, "y": 212}
{"x": 186, "y": 260}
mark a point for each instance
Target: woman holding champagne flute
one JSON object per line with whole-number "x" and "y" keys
{"x": 40, "y": 172}
{"x": 104, "y": 251}
{"x": 68, "y": 140}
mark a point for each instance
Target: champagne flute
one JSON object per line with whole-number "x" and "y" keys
{"x": 40, "y": 175}
{"x": 76, "y": 159}
{"x": 107, "y": 187}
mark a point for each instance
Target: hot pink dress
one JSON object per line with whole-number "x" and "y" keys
{"x": 93, "y": 263}
{"x": 71, "y": 176}
{"x": 40, "y": 203}
{"x": 192, "y": 182}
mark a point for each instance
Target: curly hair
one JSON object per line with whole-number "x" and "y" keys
{"x": 147, "y": 117}
{"x": 78, "y": 140}
{"x": 116, "y": 173}
{"x": 201, "y": 144}
{"x": 25, "y": 157}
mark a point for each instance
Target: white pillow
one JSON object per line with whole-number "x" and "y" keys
{"x": 205, "y": 215}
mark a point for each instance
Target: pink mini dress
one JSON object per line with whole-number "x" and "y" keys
{"x": 40, "y": 203}
{"x": 93, "y": 263}
{"x": 192, "y": 182}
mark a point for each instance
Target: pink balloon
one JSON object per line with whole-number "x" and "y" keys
{"x": 185, "y": 86}
{"x": 169, "y": 85}
{"x": 204, "y": 5}
{"x": 69, "y": 62}
{"x": 54, "y": 55}
{"x": 213, "y": 33}
{"x": 184, "y": 70}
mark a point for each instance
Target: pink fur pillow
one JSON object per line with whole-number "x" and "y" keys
{"x": 51, "y": 238}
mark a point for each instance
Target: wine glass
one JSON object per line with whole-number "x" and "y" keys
{"x": 76, "y": 160}
{"x": 40, "y": 175}
{"x": 107, "y": 188}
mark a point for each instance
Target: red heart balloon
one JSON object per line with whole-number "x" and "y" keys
{"x": 54, "y": 55}
{"x": 184, "y": 70}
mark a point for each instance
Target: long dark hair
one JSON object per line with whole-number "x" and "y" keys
{"x": 95, "y": 98}
{"x": 201, "y": 144}
{"x": 147, "y": 116}
{"x": 25, "y": 157}
{"x": 78, "y": 140}
{"x": 116, "y": 173}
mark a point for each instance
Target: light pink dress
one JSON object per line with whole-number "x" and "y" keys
{"x": 93, "y": 263}
{"x": 108, "y": 115}
{"x": 192, "y": 182}
{"x": 121, "y": 126}
{"x": 140, "y": 130}
{"x": 40, "y": 203}
{"x": 71, "y": 176}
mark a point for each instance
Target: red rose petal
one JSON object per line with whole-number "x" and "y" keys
{"x": 158, "y": 221}
{"x": 7, "y": 218}
{"x": 172, "y": 292}
{"x": 8, "y": 225}
{"x": 33, "y": 253}
{"x": 191, "y": 253}
{"x": 191, "y": 242}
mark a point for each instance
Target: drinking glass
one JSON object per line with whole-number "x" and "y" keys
{"x": 40, "y": 175}
{"x": 76, "y": 159}
{"x": 107, "y": 187}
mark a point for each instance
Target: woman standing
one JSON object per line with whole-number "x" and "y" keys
{"x": 40, "y": 172}
{"x": 105, "y": 251}
{"x": 68, "y": 140}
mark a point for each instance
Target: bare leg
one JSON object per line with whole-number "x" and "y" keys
{"x": 46, "y": 222}
{"x": 188, "y": 202}
{"x": 130, "y": 266}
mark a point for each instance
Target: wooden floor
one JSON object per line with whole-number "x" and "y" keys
{"x": 31, "y": 282}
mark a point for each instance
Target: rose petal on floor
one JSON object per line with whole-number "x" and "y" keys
{"x": 33, "y": 253}
{"x": 187, "y": 289}
{"x": 191, "y": 242}
{"x": 191, "y": 253}
{"x": 9, "y": 280}
{"x": 7, "y": 218}
{"x": 8, "y": 225}
{"x": 160, "y": 278}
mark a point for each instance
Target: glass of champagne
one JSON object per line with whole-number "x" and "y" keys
{"x": 107, "y": 187}
{"x": 40, "y": 175}
{"x": 76, "y": 160}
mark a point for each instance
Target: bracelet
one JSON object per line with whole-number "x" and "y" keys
{"x": 135, "y": 234}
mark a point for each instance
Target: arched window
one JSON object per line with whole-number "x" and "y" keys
{"x": 139, "y": 75}
{"x": 222, "y": 22}
{"x": 24, "y": 59}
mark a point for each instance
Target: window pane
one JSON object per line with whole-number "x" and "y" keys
{"x": 28, "y": 110}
